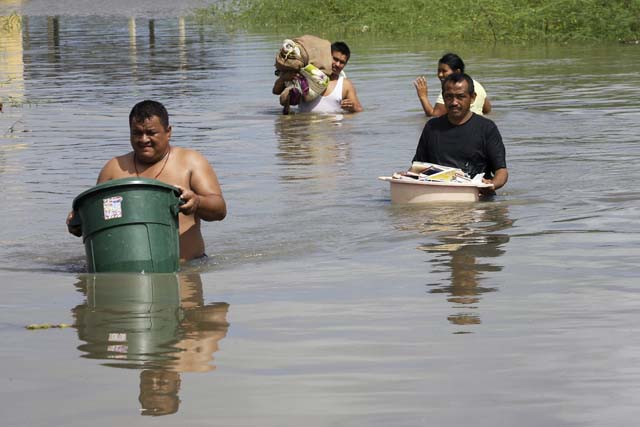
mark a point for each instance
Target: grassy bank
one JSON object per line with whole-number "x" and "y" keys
{"x": 464, "y": 20}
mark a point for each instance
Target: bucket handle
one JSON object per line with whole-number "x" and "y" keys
{"x": 175, "y": 209}
{"x": 76, "y": 221}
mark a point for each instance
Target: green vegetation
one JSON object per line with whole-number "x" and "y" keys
{"x": 463, "y": 20}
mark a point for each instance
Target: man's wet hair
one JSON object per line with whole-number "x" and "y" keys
{"x": 146, "y": 109}
{"x": 456, "y": 78}
{"x": 342, "y": 48}
{"x": 453, "y": 61}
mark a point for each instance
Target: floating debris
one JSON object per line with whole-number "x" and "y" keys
{"x": 47, "y": 325}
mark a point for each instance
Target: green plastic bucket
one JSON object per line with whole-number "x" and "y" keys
{"x": 130, "y": 225}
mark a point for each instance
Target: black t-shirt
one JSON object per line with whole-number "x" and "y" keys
{"x": 474, "y": 146}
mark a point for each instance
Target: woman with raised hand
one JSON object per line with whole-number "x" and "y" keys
{"x": 449, "y": 63}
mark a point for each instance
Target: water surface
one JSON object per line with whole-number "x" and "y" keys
{"x": 321, "y": 303}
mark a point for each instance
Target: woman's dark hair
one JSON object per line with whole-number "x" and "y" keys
{"x": 453, "y": 61}
{"x": 146, "y": 109}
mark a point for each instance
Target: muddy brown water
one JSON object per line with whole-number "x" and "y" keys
{"x": 320, "y": 303}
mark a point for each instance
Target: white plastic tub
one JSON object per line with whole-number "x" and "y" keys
{"x": 407, "y": 190}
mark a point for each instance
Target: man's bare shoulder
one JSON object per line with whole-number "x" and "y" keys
{"x": 182, "y": 151}
{"x": 348, "y": 86}
{"x": 117, "y": 167}
{"x": 346, "y": 81}
{"x": 120, "y": 161}
{"x": 123, "y": 159}
{"x": 187, "y": 154}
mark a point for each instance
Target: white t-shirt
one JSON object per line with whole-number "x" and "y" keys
{"x": 331, "y": 103}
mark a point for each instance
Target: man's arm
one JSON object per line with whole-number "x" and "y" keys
{"x": 280, "y": 83}
{"x": 496, "y": 155}
{"x": 423, "y": 96}
{"x": 278, "y": 86}
{"x": 350, "y": 101}
{"x": 73, "y": 225}
{"x": 500, "y": 178}
{"x": 205, "y": 197}
{"x": 423, "y": 142}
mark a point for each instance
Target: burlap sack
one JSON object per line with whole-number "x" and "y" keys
{"x": 305, "y": 50}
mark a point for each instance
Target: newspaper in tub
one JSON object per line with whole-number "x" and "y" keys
{"x": 428, "y": 182}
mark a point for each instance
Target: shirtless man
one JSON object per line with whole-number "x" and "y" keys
{"x": 188, "y": 170}
{"x": 332, "y": 101}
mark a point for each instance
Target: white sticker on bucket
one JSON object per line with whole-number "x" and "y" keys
{"x": 112, "y": 207}
{"x": 117, "y": 336}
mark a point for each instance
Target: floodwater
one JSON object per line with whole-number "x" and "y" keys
{"x": 320, "y": 303}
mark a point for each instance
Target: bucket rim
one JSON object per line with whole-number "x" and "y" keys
{"x": 124, "y": 182}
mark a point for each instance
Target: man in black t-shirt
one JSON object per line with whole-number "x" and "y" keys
{"x": 462, "y": 139}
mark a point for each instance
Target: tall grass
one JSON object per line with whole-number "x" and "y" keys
{"x": 464, "y": 20}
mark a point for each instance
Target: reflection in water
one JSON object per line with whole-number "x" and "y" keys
{"x": 53, "y": 39}
{"x": 12, "y": 89}
{"x": 306, "y": 140}
{"x": 152, "y": 35}
{"x": 182, "y": 45}
{"x": 154, "y": 322}
{"x": 159, "y": 392}
{"x": 133, "y": 47}
{"x": 462, "y": 237}
{"x": 11, "y": 61}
